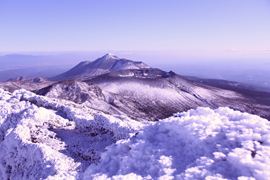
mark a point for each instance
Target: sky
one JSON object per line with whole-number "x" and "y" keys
{"x": 192, "y": 28}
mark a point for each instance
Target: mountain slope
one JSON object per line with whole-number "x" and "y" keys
{"x": 151, "y": 94}
{"x": 161, "y": 94}
{"x": 105, "y": 64}
{"x": 75, "y": 91}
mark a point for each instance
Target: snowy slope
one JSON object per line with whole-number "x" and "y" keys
{"x": 47, "y": 138}
{"x": 160, "y": 94}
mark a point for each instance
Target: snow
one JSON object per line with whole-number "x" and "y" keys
{"x": 198, "y": 144}
{"x": 130, "y": 74}
{"x": 143, "y": 91}
{"x": 110, "y": 56}
{"x": 46, "y": 138}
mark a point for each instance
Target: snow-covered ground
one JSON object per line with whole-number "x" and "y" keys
{"x": 46, "y": 138}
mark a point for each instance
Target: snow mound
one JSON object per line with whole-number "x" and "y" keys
{"x": 197, "y": 144}
{"x": 47, "y": 138}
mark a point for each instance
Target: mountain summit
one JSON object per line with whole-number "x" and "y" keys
{"x": 105, "y": 64}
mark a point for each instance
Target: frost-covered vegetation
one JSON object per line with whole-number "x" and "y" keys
{"x": 46, "y": 138}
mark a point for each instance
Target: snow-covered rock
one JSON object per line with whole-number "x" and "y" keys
{"x": 47, "y": 138}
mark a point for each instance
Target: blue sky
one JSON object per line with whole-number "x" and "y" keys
{"x": 238, "y": 28}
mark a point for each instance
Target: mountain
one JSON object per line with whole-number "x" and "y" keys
{"x": 158, "y": 94}
{"x": 123, "y": 87}
{"x": 155, "y": 94}
{"x": 102, "y": 65}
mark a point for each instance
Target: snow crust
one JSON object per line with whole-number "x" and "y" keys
{"x": 46, "y": 138}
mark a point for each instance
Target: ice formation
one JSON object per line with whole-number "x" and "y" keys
{"x": 46, "y": 138}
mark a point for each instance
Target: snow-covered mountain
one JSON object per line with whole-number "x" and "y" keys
{"x": 102, "y": 65}
{"x": 47, "y": 138}
{"x": 154, "y": 94}
{"x": 141, "y": 92}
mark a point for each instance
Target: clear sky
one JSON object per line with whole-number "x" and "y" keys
{"x": 187, "y": 27}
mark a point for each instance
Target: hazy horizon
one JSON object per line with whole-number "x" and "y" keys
{"x": 202, "y": 29}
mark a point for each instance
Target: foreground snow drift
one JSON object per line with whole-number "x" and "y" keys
{"x": 44, "y": 138}
{"x": 197, "y": 144}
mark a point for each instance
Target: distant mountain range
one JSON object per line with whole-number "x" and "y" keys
{"x": 124, "y": 87}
